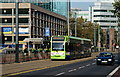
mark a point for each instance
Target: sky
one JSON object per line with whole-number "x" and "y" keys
{"x": 83, "y": 4}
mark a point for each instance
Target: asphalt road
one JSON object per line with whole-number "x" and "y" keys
{"x": 80, "y": 69}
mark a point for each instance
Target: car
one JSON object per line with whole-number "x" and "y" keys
{"x": 105, "y": 58}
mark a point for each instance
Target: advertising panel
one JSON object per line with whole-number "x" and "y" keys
{"x": 22, "y": 30}
{"x": 47, "y": 31}
{"x": 7, "y": 30}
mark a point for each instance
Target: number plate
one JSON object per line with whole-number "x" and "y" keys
{"x": 104, "y": 61}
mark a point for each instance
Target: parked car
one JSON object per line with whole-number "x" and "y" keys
{"x": 105, "y": 58}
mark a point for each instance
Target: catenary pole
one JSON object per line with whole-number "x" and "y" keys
{"x": 17, "y": 33}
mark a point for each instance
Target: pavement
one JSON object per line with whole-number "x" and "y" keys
{"x": 12, "y": 69}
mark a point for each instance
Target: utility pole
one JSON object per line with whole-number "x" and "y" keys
{"x": 95, "y": 37}
{"x": 68, "y": 19}
{"x": 17, "y": 33}
{"x": 75, "y": 25}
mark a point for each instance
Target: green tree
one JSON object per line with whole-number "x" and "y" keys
{"x": 116, "y": 6}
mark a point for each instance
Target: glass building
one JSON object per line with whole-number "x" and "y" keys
{"x": 57, "y": 6}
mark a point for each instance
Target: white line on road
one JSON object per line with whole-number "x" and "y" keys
{"x": 116, "y": 60}
{"x": 110, "y": 75}
{"x": 93, "y": 63}
{"x": 88, "y": 65}
{"x": 60, "y": 74}
{"x": 82, "y": 66}
{"x": 72, "y": 70}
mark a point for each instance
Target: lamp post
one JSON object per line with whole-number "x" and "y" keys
{"x": 17, "y": 33}
{"x": 68, "y": 19}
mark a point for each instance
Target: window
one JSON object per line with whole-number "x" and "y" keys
{"x": 58, "y": 46}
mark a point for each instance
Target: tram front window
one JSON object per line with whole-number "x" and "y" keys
{"x": 58, "y": 46}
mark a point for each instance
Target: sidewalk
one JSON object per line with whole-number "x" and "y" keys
{"x": 38, "y": 65}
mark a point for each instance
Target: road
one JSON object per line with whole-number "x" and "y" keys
{"x": 80, "y": 69}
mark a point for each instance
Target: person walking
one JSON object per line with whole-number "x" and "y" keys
{"x": 26, "y": 55}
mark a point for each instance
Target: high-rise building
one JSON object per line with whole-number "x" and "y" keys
{"x": 101, "y": 13}
{"x": 57, "y": 6}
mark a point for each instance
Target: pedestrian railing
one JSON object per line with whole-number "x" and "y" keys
{"x": 9, "y": 56}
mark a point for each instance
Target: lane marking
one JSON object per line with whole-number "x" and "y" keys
{"x": 79, "y": 68}
{"x": 82, "y": 66}
{"x": 115, "y": 70}
{"x": 31, "y": 70}
{"x": 93, "y": 63}
{"x": 88, "y": 65}
{"x": 72, "y": 70}
{"x": 116, "y": 60}
{"x": 60, "y": 74}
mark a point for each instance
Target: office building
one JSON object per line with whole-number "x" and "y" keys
{"x": 101, "y": 13}
{"x": 80, "y": 13}
{"x": 57, "y": 6}
{"x": 34, "y": 21}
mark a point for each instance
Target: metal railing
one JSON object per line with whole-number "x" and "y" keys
{"x": 8, "y": 56}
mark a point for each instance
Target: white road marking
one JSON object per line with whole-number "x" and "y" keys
{"x": 93, "y": 63}
{"x": 60, "y": 74}
{"x": 79, "y": 68}
{"x": 72, "y": 70}
{"x": 116, "y": 60}
{"x": 88, "y": 65}
{"x": 82, "y": 66}
{"x": 110, "y": 75}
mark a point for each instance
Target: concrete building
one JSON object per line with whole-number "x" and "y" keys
{"x": 34, "y": 22}
{"x": 80, "y": 13}
{"x": 101, "y": 13}
{"x": 51, "y": 5}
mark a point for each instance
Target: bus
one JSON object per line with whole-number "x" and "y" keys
{"x": 69, "y": 47}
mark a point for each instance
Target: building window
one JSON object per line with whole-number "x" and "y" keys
{"x": 6, "y": 11}
{"x": 100, "y": 10}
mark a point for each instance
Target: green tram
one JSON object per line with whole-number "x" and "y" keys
{"x": 69, "y": 47}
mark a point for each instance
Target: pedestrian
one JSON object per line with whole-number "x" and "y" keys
{"x": 26, "y": 55}
{"x": 40, "y": 53}
{"x": 45, "y": 53}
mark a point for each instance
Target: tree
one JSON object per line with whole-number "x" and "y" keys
{"x": 84, "y": 29}
{"x": 116, "y": 6}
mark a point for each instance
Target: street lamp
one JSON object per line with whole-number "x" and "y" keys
{"x": 68, "y": 18}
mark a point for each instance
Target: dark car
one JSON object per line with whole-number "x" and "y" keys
{"x": 105, "y": 58}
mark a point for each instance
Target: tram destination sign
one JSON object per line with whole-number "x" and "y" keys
{"x": 58, "y": 38}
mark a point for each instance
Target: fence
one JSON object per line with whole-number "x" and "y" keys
{"x": 8, "y": 56}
